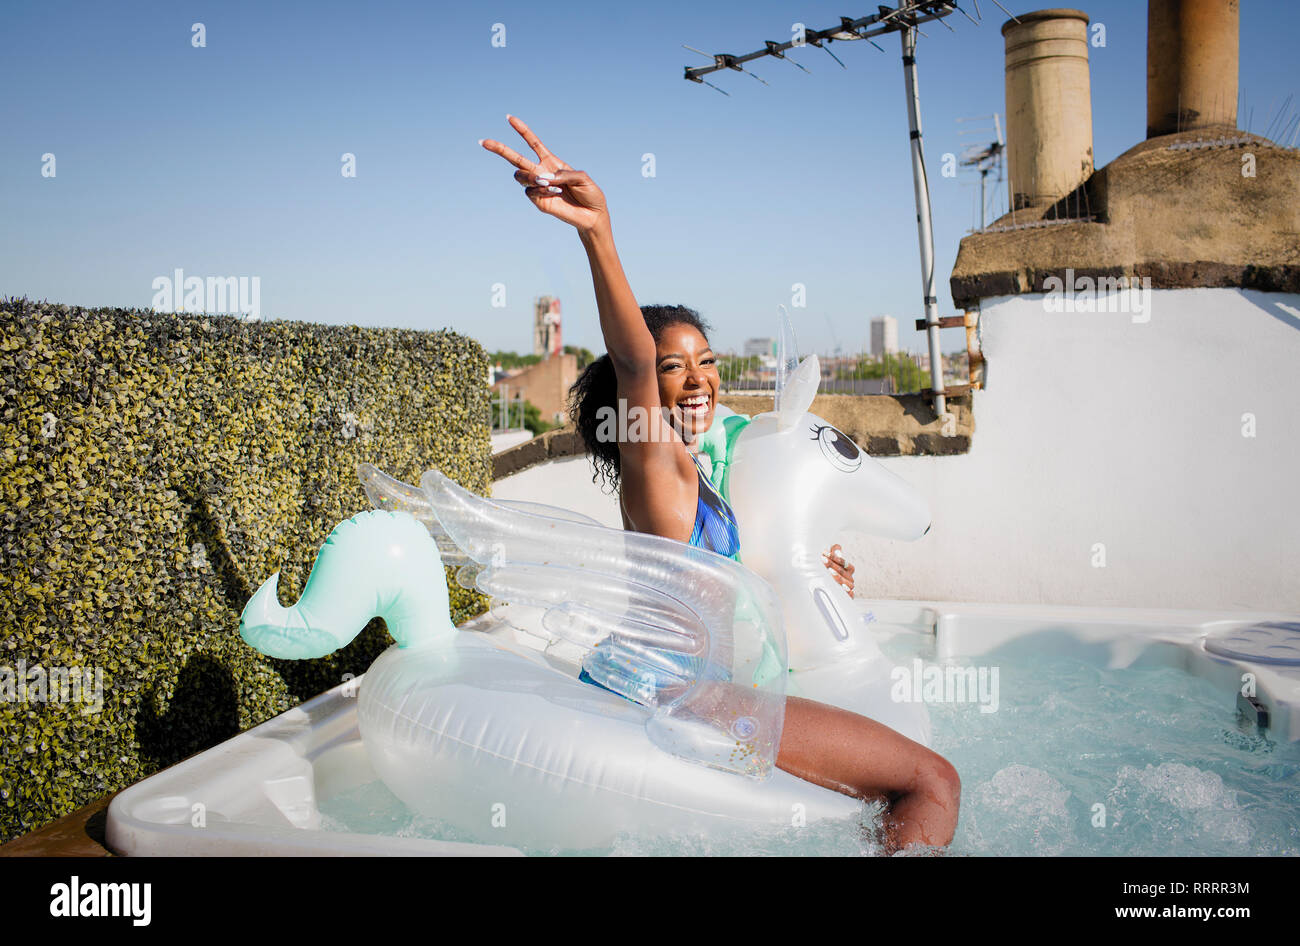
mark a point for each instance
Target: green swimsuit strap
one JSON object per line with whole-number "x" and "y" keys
{"x": 718, "y": 442}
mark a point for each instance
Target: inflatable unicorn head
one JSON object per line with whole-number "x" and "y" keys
{"x": 812, "y": 482}
{"x": 798, "y": 486}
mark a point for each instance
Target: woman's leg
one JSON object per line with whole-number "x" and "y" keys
{"x": 849, "y": 753}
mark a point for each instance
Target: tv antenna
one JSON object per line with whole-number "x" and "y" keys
{"x": 905, "y": 19}
{"x": 835, "y": 339}
{"x": 985, "y": 158}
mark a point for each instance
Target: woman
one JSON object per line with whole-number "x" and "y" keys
{"x": 662, "y": 360}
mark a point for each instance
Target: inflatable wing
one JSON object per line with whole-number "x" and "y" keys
{"x": 386, "y": 492}
{"x": 692, "y": 634}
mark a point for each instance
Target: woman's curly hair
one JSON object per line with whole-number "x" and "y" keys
{"x": 597, "y": 388}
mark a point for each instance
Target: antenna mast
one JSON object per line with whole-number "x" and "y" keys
{"x": 986, "y": 158}
{"x": 904, "y": 19}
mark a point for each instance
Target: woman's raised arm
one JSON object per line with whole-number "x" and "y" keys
{"x": 572, "y": 196}
{"x": 657, "y": 474}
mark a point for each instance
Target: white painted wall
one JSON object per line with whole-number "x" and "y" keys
{"x": 564, "y": 483}
{"x": 1096, "y": 429}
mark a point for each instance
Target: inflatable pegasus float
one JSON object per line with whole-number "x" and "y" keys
{"x": 457, "y": 722}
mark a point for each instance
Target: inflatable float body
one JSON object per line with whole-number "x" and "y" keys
{"x": 491, "y": 731}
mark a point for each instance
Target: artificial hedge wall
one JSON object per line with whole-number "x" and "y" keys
{"x": 154, "y": 470}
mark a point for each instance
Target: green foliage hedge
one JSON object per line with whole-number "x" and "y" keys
{"x": 154, "y": 470}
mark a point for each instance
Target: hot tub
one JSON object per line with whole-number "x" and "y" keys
{"x": 1075, "y": 730}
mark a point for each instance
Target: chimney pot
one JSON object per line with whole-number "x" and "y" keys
{"x": 1191, "y": 65}
{"x": 1049, "y": 105}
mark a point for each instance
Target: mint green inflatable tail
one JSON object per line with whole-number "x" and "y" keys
{"x": 376, "y": 564}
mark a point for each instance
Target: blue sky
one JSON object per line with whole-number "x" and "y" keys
{"x": 225, "y": 160}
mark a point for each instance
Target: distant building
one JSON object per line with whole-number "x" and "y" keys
{"x": 546, "y": 327}
{"x": 546, "y": 384}
{"x": 760, "y": 347}
{"x": 884, "y": 336}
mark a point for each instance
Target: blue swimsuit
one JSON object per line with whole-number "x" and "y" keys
{"x": 715, "y": 523}
{"x": 715, "y": 530}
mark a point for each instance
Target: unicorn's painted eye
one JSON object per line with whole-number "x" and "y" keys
{"x": 838, "y": 448}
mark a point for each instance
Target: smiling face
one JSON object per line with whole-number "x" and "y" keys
{"x": 688, "y": 376}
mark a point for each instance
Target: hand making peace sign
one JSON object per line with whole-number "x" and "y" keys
{"x": 553, "y": 186}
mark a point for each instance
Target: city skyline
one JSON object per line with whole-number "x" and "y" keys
{"x": 332, "y": 157}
